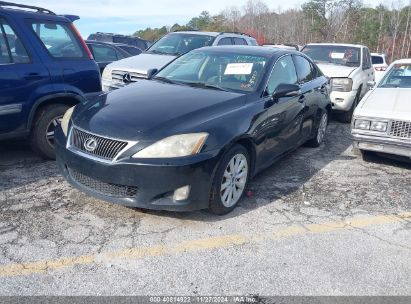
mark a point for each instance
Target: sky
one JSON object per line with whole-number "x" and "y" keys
{"x": 114, "y": 17}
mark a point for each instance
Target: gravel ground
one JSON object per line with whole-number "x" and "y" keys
{"x": 321, "y": 222}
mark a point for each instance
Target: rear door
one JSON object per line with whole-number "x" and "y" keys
{"x": 21, "y": 74}
{"x": 66, "y": 56}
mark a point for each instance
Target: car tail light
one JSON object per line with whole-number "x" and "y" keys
{"x": 380, "y": 69}
{"x": 82, "y": 42}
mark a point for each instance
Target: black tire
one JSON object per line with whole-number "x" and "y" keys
{"x": 216, "y": 205}
{"x": 346, "y": 117}
{"x": 317, "y": 139}
{"x": 365, "y": 155}
{"x": 38, "y": 136}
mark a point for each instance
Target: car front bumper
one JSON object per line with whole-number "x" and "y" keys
{"x": 148, "y": 184}
{"x": 382, "y": 144}
{"x": 342, "y": 101}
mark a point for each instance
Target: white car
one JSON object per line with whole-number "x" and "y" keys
{"x": 349, "y": 68}
{"x": 128, "y": 70}
{"x": 379, "y": 62}
{"x": 382, "y": 120}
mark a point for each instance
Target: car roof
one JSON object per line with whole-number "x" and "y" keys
{"x": 32, "y": 13}
{"x": 212, "y": 34}
{"x": 403, "y": 61}
{"x": 250, "y": 50}
{"x": 108, "y": 43}
{"x": 339, "y": 44}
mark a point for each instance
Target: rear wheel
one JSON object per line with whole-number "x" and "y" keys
{"x": 230, "y": 180}
{"x": 42, "y": 134}
{"x": 318, "y": 138}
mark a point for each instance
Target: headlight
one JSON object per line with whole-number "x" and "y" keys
{"x": 174, "y": 146}
{"x": 66, "y": 119}
{"x": 106, "y": 74}
{"x": 379, "y": 126}
{"x": 362, "y": 124}
{"x": 341, "y": 84}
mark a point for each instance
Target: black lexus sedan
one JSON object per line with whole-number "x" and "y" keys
{"x": 193, "y": 135}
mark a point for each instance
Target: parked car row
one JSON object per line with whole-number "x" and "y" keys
{"x": 185, "y": 124}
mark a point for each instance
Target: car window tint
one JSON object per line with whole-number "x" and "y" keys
{"x": 305, "y": 70}
{"x": 366, "y": 62}
{"x": 377, "y": 60}
{"x": 131, "y": 50}
{"x": 283, "y": 73}
{"x": 103, "y": 53}
{"x": 225, "y": 41}
{"x": 239, "y": 41}
{"x": 59, "y": 40}
{"x": 17, "y": 50}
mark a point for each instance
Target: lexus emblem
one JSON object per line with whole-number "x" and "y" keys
{"x": 126, "y": 78}
{"x": 90, "y": 144}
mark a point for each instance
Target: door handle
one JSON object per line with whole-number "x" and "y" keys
{"x": 33, "y": 76}
{"x": 301, "y": 99}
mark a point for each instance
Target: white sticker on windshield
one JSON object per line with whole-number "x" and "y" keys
{"x": 238, "y": 69}
{"x": 337, "y": 55}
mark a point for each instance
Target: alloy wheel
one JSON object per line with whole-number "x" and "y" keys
{"x": 51, "y": 128}
{"x": 234, "y": 180}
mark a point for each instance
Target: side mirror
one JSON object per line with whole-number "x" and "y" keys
{"x": 371, "y": 84}
{"x": 286, "y": 90}
{"x": 151, "y": 73}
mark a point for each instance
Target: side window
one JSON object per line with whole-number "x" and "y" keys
{"x": 283, "y": 72}
{"x": 17, "y": 51}
{"x": 103, "y": 53}
{"x": 58, "y": 39}
{"x": 305, "y": 70}
{"x": 225, "y": 41}
{"x": 366, "y": 61}
{"x": 239, "y": 41}
{"x": 4, "y": 50}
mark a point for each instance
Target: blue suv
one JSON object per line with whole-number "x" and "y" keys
{"x": 45, "y": 68}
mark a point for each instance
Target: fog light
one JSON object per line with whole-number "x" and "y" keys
{"x": 182, "y": 193}
{"x": 339, "y": 99}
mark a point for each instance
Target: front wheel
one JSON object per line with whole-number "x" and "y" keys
{"x": 230, "y": 180}
{"x": 320, "y": 132}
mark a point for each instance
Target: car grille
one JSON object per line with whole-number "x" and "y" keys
{"x": 400, "y": 129}
{"x": 103, "y": 188}
{"x": 118, "y": 76}
{"x": 106, "y": 148}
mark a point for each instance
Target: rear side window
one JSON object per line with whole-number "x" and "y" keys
{"x": 58, "y": 39}
{"x": 305, "y": 70}
{"x": 103, "y": 53}
{"x": 225, "y": 41}
{"x": 11, "y": 45}
{"x": 131, "y": 50}
{"x": 239, "y": 41}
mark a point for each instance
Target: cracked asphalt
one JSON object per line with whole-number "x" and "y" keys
{"x": 320, "y": 222}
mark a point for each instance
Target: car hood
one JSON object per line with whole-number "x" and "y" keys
{"x": 141, "y": 63}
{"x": 389, "y": 103}
{"x": 153, "y": 110}
{"x": 335, "y": 70}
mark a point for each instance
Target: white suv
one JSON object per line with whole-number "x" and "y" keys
{"x": 172, "y": 45}
{"x": 350, "y": 71}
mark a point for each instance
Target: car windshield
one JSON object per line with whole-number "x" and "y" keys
{"x": 399, "y": 76}
{"x": 178, "y": 44}
{"x": 216, "y": 70}
{"x": 335, "y": 54}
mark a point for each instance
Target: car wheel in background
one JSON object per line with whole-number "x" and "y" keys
{"x": 230, "y": 180}
{"x": 42, "y": 134}
{"x": 319, "y": 134}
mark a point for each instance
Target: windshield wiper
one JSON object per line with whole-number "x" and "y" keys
{"x": 166, "y": 80}
{"x": 207, "y": 86}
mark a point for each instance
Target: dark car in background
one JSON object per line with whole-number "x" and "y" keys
{"x": 123, "y": 39}
{"x": 45, "y": 68}
{"x": 192, "y": 136}
{"x": 106, "y": 52}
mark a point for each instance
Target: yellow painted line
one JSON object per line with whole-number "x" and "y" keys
{"x": 199, "y": 244}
